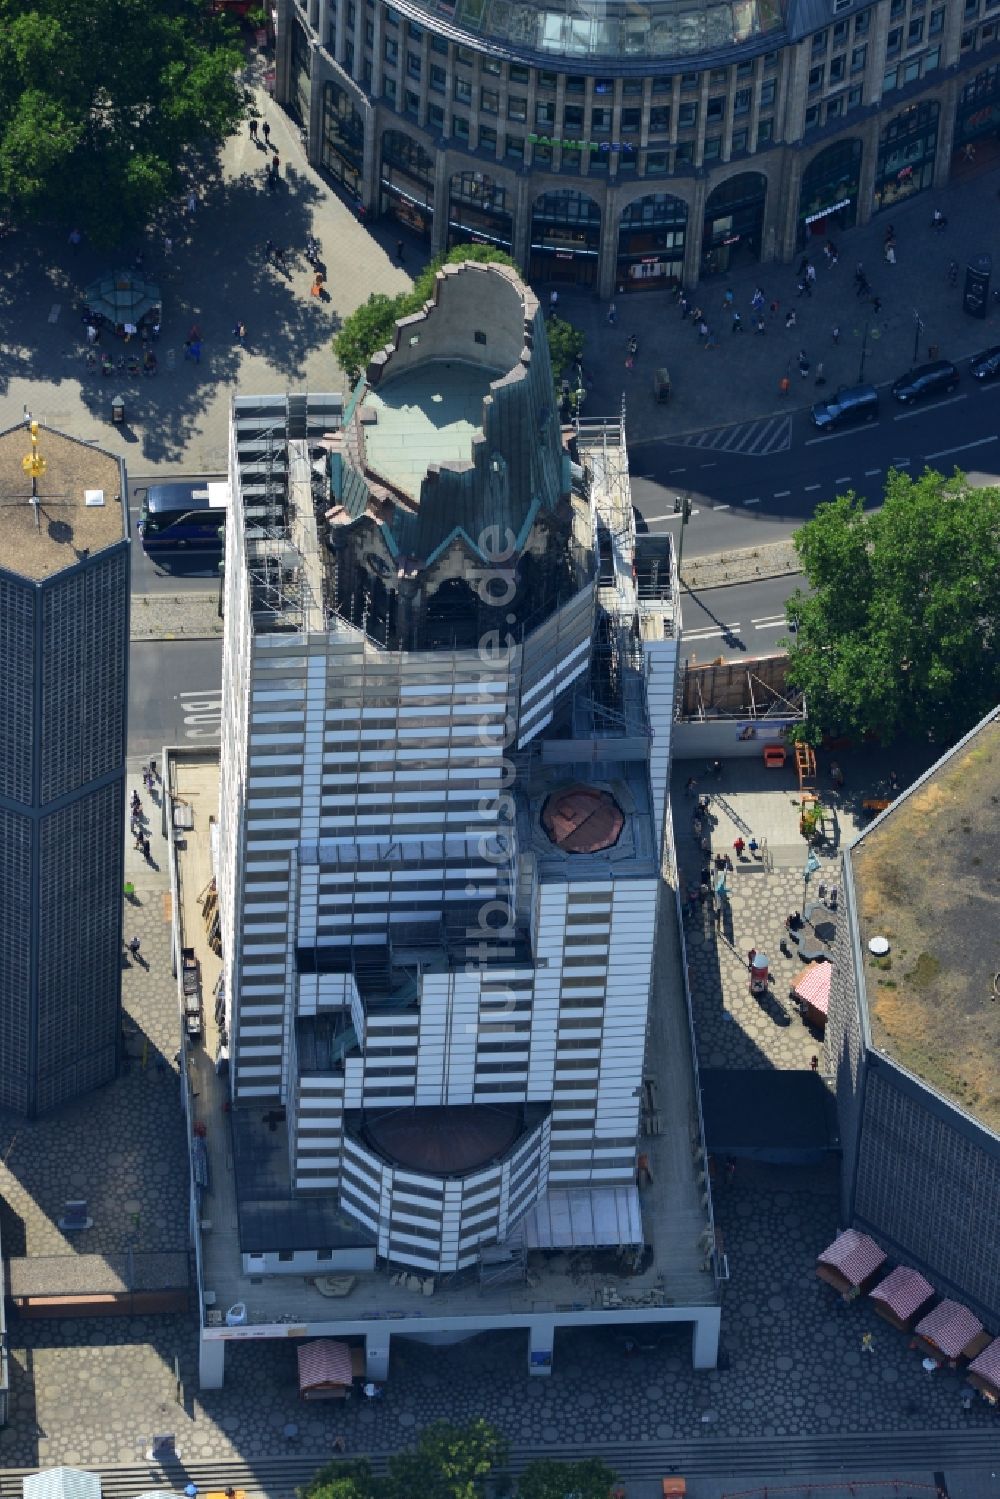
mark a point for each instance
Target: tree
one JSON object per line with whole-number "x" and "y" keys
{"x": 548, "y": 1479}
{"x": 369, "y": 328}
{"x": 341, "y": 1480}
{"x": 899, "y": 635}
{"x": 565, "y": 346}
{"x": 102, "y": 100}
{"x": 449, "y": 1462}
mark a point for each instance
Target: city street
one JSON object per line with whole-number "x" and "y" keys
{"x": 756, "y": 482}
{"x": 752, "y": 613}
{"x": 175, "y": 694}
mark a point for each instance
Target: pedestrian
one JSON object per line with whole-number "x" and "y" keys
{"x": 92, "y": 333}
{"x": 253, "y": 128}
{"x": 835, "y": 333}
{"x": 194, "y": 332}
{"x": 867, "y": 1343}
{"x": 876, "y": 304}
{"x": 784, "y": 385}
{"x": 761, "y": 325}
{"x": 890, "y": 254}
{"x": 728, "y": 299}
{"x": 267, "y": 133}
{"x": 814, "y": 1063}
{"x": 613, "y": 313}
{"x": 192, "y": 203}
{"x": 737, "y": 323}
{"x": 820, "y": 377}
{"x": 730, "y": 1171}
{"x": 791, "y": 318}
{"x": 553, "y": 295}
{"x": 803, "y": 363}
{"x": 696, "y": 830}
{"x": 145, "y": 849}
{"x": 894, "y": 783}
{"x": 339, "y": 1445}
{"x": 75, "y": 238}
{"x": 752, "y": 848}
{"x": 276, "y": 165}
{"x": 137, "y": 842}
{"x": 168, "y": 246}
{"x": 192, "y": 350}
{"x": 890, "y": 235}
{"x": 811, "y": 273}
{"x": 240, "y": 333}
{"x": 697, "y": 316}
{"x": 703, "y": 329}
{"x": 775, "y": 305}
{"x": 133, "y": 946}
{"x": 689, "y": 786}
{"x": 802, "y": 266}
{"x": 739, "y": 845}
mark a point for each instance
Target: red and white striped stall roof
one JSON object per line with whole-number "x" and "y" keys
{"x": 854, "y": 1255}
{"x": 903, "y": 1291}
{"x": 987, "y": 1365}
{"x": 813, "y": 987}
{"x": 324, "y": 1362}
{"x": 950, "y": 1326}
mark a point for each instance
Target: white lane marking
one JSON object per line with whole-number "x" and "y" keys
{"x": 871, "y": 472}
{"x": 919, "y": 410}
{"x": 676, "y": 470}
{"x": 829, "y": 437}
{"x": 902, "y": 463}
{"x": 965, "y": 446}
{"x": 844, "y": 479}
{"x": 776, "y": 624}
{"x": 710, "y": 634}
{"x": 202, "y": 713}
{"x": 811, "y": 487}
{"x": 651, "y": 520}
{"x": 780, "y": 494}
{"x": 720, "y": 507}
{"x": 768, "y": 619}
{"x": 754, "y": 501}
{"x": 708, "y": 465}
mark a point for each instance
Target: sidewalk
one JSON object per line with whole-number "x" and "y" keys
{"x": 737, "y": 379}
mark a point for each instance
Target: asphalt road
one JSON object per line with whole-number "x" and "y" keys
{"x": 175, "y": 689}
{"x": 740, "y": 621}
{"x": 757, "y": 481}
{"x": 174, "y": 572}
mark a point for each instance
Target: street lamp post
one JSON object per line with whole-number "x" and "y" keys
{"x": 918, "y": 328}
{"x": 682, "y": 507}
{"x": 864, "y": 352}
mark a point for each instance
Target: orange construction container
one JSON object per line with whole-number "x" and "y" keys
{"x": 674, "y": 1488}
{"x": 775, "y": 756}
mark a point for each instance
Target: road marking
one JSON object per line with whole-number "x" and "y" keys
{"x": 708, "y": 465}
{"x": 676, "y": 470}
{"x": 829, "y": 437}
{"x": 710, "y": 634}
{"x": 754, "y": 501}
{"x": 919, "y": 410}
{"x": 871, "y": 472}
{"x": 902, "y": 463}
{"x": 775, "y": 624}
{"x": 768, "y": 619}
{"x": 944, "y": 452}
{"x": 720, "y": 507}
{"x": 54, "y": 312}
{"x": 202, "y": 713}
{"x": 844, "y": 479}
{"x": 781, "y": 494}
{"x": 651, "y": 520}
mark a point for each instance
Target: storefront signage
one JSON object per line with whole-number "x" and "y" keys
{"x": 551, "y": 140}
{"x": 732, "y": 239}
{"x": 825, "y": 212}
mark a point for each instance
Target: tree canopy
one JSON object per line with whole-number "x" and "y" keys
{"x": 448, "y": 1462}
{"x": 369, "y": 328}
{"x": 100, "y": 100}
{"x": 547, "y": 1479}
{"x": 899, "y": 635}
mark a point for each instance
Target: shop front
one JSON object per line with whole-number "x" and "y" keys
{"x": 828, "y": 197}
{"x": 301, "y": 72}
{"x": 478, "y": 212}
{"x": 565, "y": 238}
{"x": 977, "y": 120}
{"x": 406, "y": 183}
{"x": 906, "y": 151}
{"x": 342, "y": 144}
{"x": 651, "y": 236}
{"x": 734, "y": 224}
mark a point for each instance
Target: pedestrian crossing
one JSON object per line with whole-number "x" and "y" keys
{"x": 770, "y": 434}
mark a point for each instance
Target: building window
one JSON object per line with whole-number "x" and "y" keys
{"x": 741, "y": 141}
{"x": 439, "y": 78}
{"x": 464, "y": 55}
{"x": 896, "y": 9}
{"x": 411, "y": 102}
{"x": 889, "y": 80}
{"x": 659, "y": 119}
{"x": 600, "y": 121}
{"x": 488, "y": 140}
{"x": 286, "y": 1256}
{"x": 719, "y": 77}
{"x": 840, "y": 33}
{"x": 414, "y": 31}
{"x": 853, "y": 98}
{"x": 517, "y": 109}
{"x": 547, "y": 79}
{"x": 838, "y": 68}
{"x": 631, "y": 121}
{"x": 932, "y": 60}
{"x": 491, "y": 65}
{"x": 812, "y": 116}
{"x": 545, "y": 114}
{"x": 489, "y": 101}
{"x": 479, "y": 338}
{"x": 573, "y": 117}
{"x": 604, "y": 85}
{"x": 765, "y": 132}
{"x": 858, "y": 58}
{"x": 835, "y": 108}
{"x": 369, "y": 33}
{"x": 662, "y": 85}
{"x": 439, "y": 44}
{"x": 391, "y": 16}
{"x": 632, "y": 87}
{"x": 770, "y": 60}
{"x": 819, "y": 43}
{"x": 687, "y": 115}
{"x": 576, "y": 85}
{"x": 542, "y": 154}
{"x": 744, "y": 70}
{"x": 767, "y": 93}
{"x": 460, "y": 127}
{"x": 515, "y": 147}
{"x": 390, "y": 50}
{"x": 742, "y": 100}
{"x": 915, "y": 32}
{"x": 656, "y": 162}
{"x": 894, "y": 43}
{"x": 519, "y": 73}
{"x": 435, "y": 116}
{"x": 713, "y": 148}
{"x": 716, "y": 108}
{"x": 463, "y": 91}
{"x": 413, "y": 64}
{"x": 389, "y": 85}
{"x": 684, "y": 155}
{"x": 324, "y": 1254}
{"x": 968, "y": 40}
{"x": 689, "y": 80}
{"x": 935, "y": 25}
{"x": 816, "y": 76}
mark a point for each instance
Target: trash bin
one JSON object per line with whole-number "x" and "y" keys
{"x": 977, "y": 285}
{"x": 118, "y": 410}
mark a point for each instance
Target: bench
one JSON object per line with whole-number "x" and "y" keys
{"x": 874, "y": 804}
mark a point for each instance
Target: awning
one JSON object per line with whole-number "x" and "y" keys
{"x": 605, "y": 1216}
{"x": 62, "y": 1483}
{"x": 950, "y": 1326}
{"x": 812, "y": 987}
{"x": 324, "y": 1363}
{"x": 853, "y": 1256}
{"x": 903, "y": 1291}
{"x": 987, "y": 1364}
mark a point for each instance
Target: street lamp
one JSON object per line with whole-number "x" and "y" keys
{"x": 682, "y": 507}
{"x": 918, "y": 328}
{"x": 864, "y": 352}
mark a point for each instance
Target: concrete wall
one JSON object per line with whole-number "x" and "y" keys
{"x": 718, "y": 738}
{"x": 476, "y": 301}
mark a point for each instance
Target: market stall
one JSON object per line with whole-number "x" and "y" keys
{"x": 327, "y": 1369}
{"x": 812, "y": 990}
{"x": 851, "y": 1263}
{"x": 950, "y": 1332}
{"x": 984, "y": 1373}
{"x": 902, "y": 1296}
{"x": 125, "y": 302}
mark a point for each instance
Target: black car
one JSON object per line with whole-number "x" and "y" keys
{"x": 926, "y": 380}
{"x": 986, "y": 366}
{"x": 852, "y": 403}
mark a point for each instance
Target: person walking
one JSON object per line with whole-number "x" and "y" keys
{"x": 276, "y": 166}
{"x": 890, "y": 254}
{"x": 790, "y": 318}
{"x": 553, "y": 295}
{"x": 267, "y": 133}
{"x": 867, "y": 1343}
{"x": 739, "y": 844}
{"x": 835, "y": 333}
{"x": 737, "y": 323}
{"x": 803, "y": 363}
{"x": 784, "y": 385}
{"x": 253, "y": 129}
{"x": 240, "y": 333}
{"x": 689, "y": 786}
{"x": 703, "y": 330}
{"x": 145, "y": 850}
{"x": 191, "y": 204}
{"x": 133, "y": 946}
{"x": 811, "y": 274}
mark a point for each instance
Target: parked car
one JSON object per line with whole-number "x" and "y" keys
{"x": 986, "y": 366}
{"x": 926, "y": 380}
{"x": 852, "y": 403}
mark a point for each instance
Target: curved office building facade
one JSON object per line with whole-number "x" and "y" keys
{"x": 630, "y": 148}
